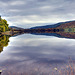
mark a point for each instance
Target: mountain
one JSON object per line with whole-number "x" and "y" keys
{"x": 14, "y": 27}
{"x": 62, "y": 30}
{"x": 61, "y": 25}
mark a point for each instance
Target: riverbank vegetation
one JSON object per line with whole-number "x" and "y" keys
{"x": 3, "y": 25}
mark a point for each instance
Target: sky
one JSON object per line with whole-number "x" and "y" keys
{"x": 30, "y": 13}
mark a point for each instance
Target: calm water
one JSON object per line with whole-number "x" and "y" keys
{"x": 36, "y": 54}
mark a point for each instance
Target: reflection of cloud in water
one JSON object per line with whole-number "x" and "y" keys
{"x": 36, "y": 52}
{"x": 45, "y": 41}
{"x": 41, "y": 48}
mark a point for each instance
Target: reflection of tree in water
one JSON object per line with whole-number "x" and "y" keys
{"x": 4, "y": 39}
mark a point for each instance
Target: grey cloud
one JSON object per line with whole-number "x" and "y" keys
{"x": 34, "y": 7}
{"x": 44, "y": 9}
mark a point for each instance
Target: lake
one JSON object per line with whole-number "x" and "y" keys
{"x": 29, "y": 54}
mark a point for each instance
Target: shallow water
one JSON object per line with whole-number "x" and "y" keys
{"x": 36, "y": 54}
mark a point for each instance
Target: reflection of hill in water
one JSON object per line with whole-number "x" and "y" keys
{"x": 70, "y": 35}
{"x": 66, "y": 33}
{"x": 63, "y": 29}
{"x": 4, "y": 39}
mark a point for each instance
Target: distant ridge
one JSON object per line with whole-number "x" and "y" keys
{"x": 52, "y": 26}
{"x": 14, "y": 27}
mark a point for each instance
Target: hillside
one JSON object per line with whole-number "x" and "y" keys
{"x": 14, "y": 27}
{"x": 58, "y": 25}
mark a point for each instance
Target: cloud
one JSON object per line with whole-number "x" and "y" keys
{"x": 17, "y": 3}
{"x": 40, "y": 49}
{"x": 37, "y": 11}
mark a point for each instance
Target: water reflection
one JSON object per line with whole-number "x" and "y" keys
{"x": 69, "y": 35}
{"x": 4, "y": 39}
{"x": 35, "y": 53}
{"x": 61, "y": 33}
